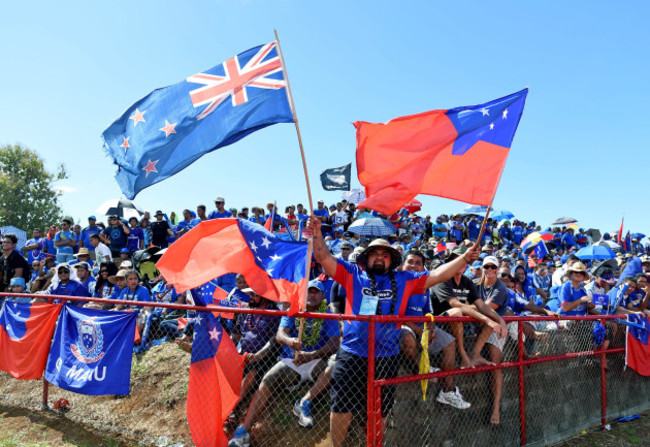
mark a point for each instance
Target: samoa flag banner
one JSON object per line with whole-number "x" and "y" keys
{"x": 637, "y": 348}
{"x": 91, "y": 351}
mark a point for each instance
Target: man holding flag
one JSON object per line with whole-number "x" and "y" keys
{"x": 373, "y": 287}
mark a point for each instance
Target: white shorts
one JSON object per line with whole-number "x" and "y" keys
{"x": 305, "y": 370}
{"x": 513, "y": 331}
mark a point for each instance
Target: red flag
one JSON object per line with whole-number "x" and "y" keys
{"x": 637, "y": 349}
{"x": 458, "y": 154}
{"x": 273, "y": 268}
{"x": 620, "y": 232}
{"x": 215, "y": 381}
{"x": 26, "y": 332}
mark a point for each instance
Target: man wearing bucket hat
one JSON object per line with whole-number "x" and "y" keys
{"x": 572, "y": 295}
{"x": 373, "y": 287}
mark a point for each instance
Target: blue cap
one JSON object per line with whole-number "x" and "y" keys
{"x": 92, "y": 217}
{"x": 20, "y": 281}
{"x": 564, "y": 258}
{"x": 482, "y": 255}
{"x": 124, "y": 250}
{"x": 316, "y": 284}
{"x": 477, "y": 264}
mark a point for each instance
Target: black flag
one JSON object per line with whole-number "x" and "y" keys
{"x": 336, "y": 178}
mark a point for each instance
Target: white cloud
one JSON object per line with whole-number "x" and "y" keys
{"x": 64, "y": 189}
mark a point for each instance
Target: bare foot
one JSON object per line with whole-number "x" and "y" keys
{"x": 480, "y": 361}
{"x": 466, "y": 363}
{"x": 495, "y": 419}
{"x": 532, "y": 356}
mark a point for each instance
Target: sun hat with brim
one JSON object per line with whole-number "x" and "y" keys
{"x": 119, "y": 274}
{"x": 82, "y": 251}
{"x": 491, "y": 260}
{"x": 396, "y": 258}
{"x": 577, "y": 267}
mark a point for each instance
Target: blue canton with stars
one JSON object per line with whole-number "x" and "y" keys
{"x": 280, "y": 259}
{"x": 13, "y": 317}
{"x": 493, "y": 122}
{"x": 207, "y": 337}
{"x": 640, "y": 334}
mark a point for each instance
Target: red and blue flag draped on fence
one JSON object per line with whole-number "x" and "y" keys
{"x": 273, "y": 268}
{"x": 92, "y": 351}
{"x": 215, "y": 381}
{"x": 637, "y": 349}
{"x": 172, "y": 127}
{"x": 25, "y": 335}
{"x": 458, "y": 154}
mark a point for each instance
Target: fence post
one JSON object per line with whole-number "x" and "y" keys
{"x": 46, "y": 391}
{"x": 370, "y": 410}
{"x": 603, "y": 382}
{"x": 522, "y": 397}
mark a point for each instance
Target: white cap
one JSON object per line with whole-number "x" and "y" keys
{"x": 491, "y": 260}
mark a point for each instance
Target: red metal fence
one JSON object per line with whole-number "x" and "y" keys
{"x": 562, "y": 386}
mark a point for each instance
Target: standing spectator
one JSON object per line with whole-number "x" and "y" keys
{"x": 76, "y": 229}
{"x": 64, "y": 241}
{"x": 185, "y": 225}
{"x": 12, "y": 263}
{"x": 102, "y": 252}
{"x": 221, "y": 211}
{"x": 87, "y": 232}
{"x": 160, "y": 230}
{"x": 50, "y": 248}
{"x": 115, "y": 235}
{"x": 135, "y": 239}
{"x": 145, "y": 226}
{"x": 258, "y": 215}
{"x": 34, "y": 247}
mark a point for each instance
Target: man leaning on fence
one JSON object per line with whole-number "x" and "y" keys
{"x": 373, "y": 287}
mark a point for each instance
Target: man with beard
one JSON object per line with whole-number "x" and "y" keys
{"x": 373, "y": 287}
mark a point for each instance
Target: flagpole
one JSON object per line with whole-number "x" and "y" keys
{"x": 295, "y": 120}
{"x": 480, "y": 233}
{"x": 305, "y": 290}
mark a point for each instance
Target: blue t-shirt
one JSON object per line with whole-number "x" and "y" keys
{"x": 117, "y": 237}
{"x": 517, "y": 234}
{"x": 65, "y": 236}
{"x": 356, "y": 283}
{"x": 184, "y": 225}
{"x": 568, "y": 240}
{"x": 473, "y": 228}
{"x": 217, "y": 215}
{"x": 321, "y": 213}
{"x": 71, "y": 288}
{"x": 227, "y": 282}
{"x": 439, "y": 230}
{"x": 51, "y": 248}
{"x": 36, "y": 254}
{"x": 133, "y": 239}
{"x": 86, "y": 233}
{"x": 329, "y": 329}
{"x": 115, "y": 294}
{"x": 567, "y": 294}
{"x": 517, "y": 303}
{"x": 139, "y": 294}
{"x": 418, "y": 306}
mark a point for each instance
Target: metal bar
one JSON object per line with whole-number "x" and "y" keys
{"x": 461, "y": 372}
{"x": 603, "y": 385}
{"x": 522, "y": 397}
{"x": 370, "y": 410}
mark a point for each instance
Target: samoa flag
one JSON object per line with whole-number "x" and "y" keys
{"x": 215, "y": 381}
{"x": 25, "y": 335}
{"x": 637, "y": 350}
{"x": 273, "y": 268}
{"x": 91, "y": 352}
{"x": 457, "y": 153}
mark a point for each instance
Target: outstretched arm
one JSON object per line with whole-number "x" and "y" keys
{"x": 321, "y": 253}
{"x": 446, "y": 271}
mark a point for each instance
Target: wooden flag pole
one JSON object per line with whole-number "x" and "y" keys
{"x": 480, "y": 233}
{"x": 295, "y": 120}
{"x": 304, "y": 167}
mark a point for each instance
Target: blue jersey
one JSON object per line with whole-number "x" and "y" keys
{"x": 517, "y": 234}
{"x": 36, "y": 254}
{"x": 418, "y": 306}
{"x": 71, "y": 288}
{"x": 85, "y": 236}
{"x": 139, "y": 294}
{"x": 517, "y": 303}
{"x": 568, "y": 294}
{"x": 358, "y": 289}
{"x": 217, "y": 215}
{"x": 133, "y": 239}
{"x": 65, "y": 236}
{"x": 328, "y": 329}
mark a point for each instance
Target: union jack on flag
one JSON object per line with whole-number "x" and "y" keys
{"x": 172, "y": 127}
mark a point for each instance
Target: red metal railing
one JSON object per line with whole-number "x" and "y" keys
{"x": 374, "y": 386}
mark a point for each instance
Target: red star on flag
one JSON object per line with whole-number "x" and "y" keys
{"x": 125, "y": 144}
{"x": 151, "y": 167}
{"x": 137, "y": 117}
{"x": 168, "y": 129}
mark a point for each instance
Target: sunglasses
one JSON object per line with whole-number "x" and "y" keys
{"x": 62, "y": 271}
{"x": 489, "y": 267}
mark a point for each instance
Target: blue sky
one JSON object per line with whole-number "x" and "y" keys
{"x": 70, "y": 69}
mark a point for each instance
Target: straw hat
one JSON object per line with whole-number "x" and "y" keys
{"x": 578, "y": 267}
{"x": 396, "y": 257}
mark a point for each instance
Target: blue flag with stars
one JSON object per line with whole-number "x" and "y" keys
{"x": 169, "y": 129}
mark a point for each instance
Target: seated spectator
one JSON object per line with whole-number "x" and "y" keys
{"x": 44, "y": 277}
{"x": 301, "y": 361}
{"x": 163, "y": 292}
{"x": 83, "y": 255}
{"x": 65, "y": 286}
{"x": 104, "y": 287}
{"x": 82, "y": 270}
{"x": 17, "y": 285}
{"x": 134, "y": 292}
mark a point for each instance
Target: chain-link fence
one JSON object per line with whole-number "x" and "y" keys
{"x": 547, "y": 380}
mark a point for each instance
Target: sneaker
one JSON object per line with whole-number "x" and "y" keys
{"x": 241, "y": 438}
{"x": 453, "y": 398}
{"x": 304, "y": 413}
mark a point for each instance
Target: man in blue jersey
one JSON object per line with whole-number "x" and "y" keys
{"x": 221, "y": 210}
{"x": 64, "y": 241}
{"x": 34, "y": 247}
{"x": 373, "y": 287}
{"x": 87, "y": 232}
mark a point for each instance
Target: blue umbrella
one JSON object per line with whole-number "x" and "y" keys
{"x": 638, "y": 236}
{"x": 475, "y": 209}
{"x": 20, "y": 234}
{"x": 372, "y": 226}
{"x": 596, "y": 252}
{"x": 501, "y": 215}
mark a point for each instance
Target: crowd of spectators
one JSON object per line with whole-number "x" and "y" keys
{"x": 485, "y": 280}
